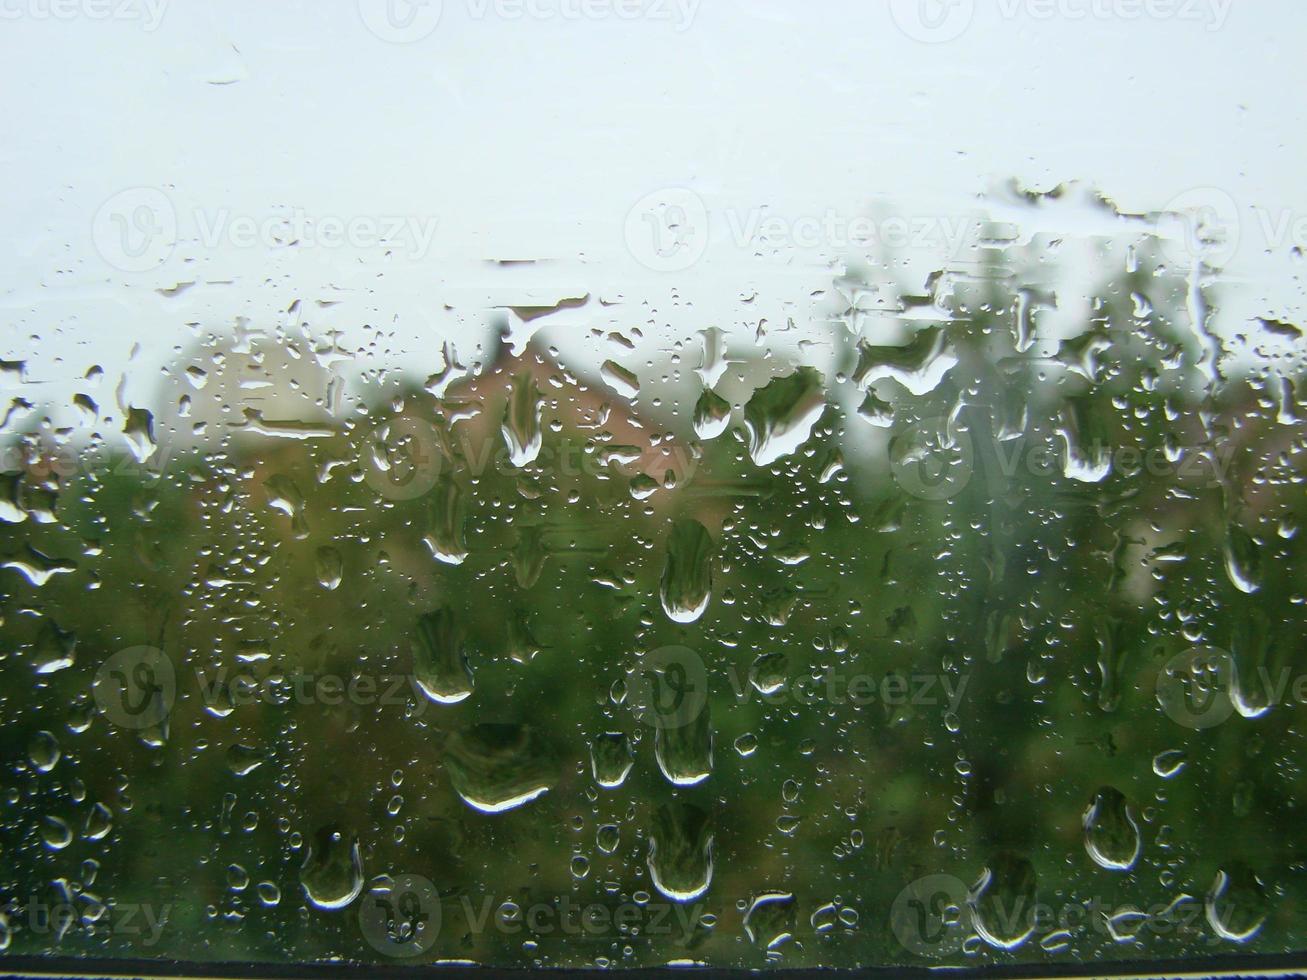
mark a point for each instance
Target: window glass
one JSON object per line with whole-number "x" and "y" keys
{"x": 566, "y": 484}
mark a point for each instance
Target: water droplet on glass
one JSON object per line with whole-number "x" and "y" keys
{"x": 687, "y": 575}
{"x": 684, "y": 750}
{"x": 1112, "y": 831}
{"x": 1170, "y": 762}
{"x": 712, "y": 414}
{"x": 608, "y": 837}
{"x": 330, "y": 567}
{"x": 770, "y": 919}
{"x": 55, "y": 832}
{"x": 621, "y": 380}
{"x": 1242, "y": 560}
{"x": 780, "y": 416}
{"x": 611, "y": 759}
{"x": 1237, "y": 904}
{"x": 680, "y": 851}
{"x": 440, "y": 664}
{"x": 746, "y": 745}
{"x": 769, "y": 673}
{"x": 285, "y": 496}
{"x": 521, "y": 428}
{"x": 496, "y": 767}
{"x": 44, "y": 751}
{"x": 54, "y": 649}
{"x": 446, "y": 537}
{"x": 529, "y": 555}
{"x": 1003, "y": 902}
{"x": 99, "y": 821}
{"x": 139, "y": 433}
{"x": 332, "y": 873}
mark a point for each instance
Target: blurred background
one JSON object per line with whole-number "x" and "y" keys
{"x": 820, "y": 486}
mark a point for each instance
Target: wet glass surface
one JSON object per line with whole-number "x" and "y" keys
{"x": 464, "y": 511}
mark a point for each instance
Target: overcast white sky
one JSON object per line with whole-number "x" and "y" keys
{"x": 514, "y": 129}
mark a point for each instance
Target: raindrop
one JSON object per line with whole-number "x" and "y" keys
{"x": 611, "y": 759}
{"x": 769, "y": 673}
{"x": 1237, "y": 904}
{"x": 780, "y": 416}
{"x": 712, "y": 414}
{"x": 687, "y": 576}
{"x": 332, "y": 874}
{"x": 44, "y": 751}
{"x": 1112, "y": 831}
{"x": 684, "y": 750}
{"x": 55, "y": 832}
{"x": 1242, "y": 560}
{"x": 521, "y": 428}
{"x": 1170, "y": 762}
{"x": 770, "y": 919}
{"x": 439, "y": 658}
{"x": 680, "y": 851}
{"x": 54, "y": 649}
{"x": 445, "y": 537}
{"x": 1003, "y": 902}
{"x": 496, "y": 767}
{"x": 330, "y": 567}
